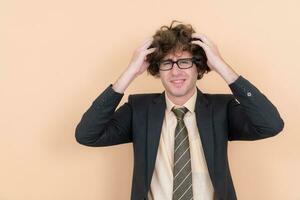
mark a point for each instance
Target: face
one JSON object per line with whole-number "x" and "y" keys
{"x": 179, "y": 83}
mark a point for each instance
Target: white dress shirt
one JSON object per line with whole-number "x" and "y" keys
{"x": 161, "y": 187}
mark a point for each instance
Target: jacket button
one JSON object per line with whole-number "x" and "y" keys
{"x": 249, "y": 94}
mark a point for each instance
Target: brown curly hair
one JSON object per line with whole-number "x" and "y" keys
{"x": 172, "y": 39}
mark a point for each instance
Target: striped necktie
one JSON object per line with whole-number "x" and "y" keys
{"x": 182, "y": 172}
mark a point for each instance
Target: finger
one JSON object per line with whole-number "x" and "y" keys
{"x": 145, "y": 46}
{"x": 151, "y": 50}
{"x": 202, "y": 44}
{"x": 203, "y": 37}
{"x": 146, "y": 43}
{"x": 200, "y": 36}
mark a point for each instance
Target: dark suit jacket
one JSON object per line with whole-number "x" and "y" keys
{"x": 245, "y": 115}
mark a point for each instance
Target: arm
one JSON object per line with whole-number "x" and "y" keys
{"x": 102, "y": 124}
{"x": 252, "y": 116}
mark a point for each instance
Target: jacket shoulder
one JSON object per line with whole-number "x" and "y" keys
{"x": 143, "y": 98}
{"x": 219, "y": 99}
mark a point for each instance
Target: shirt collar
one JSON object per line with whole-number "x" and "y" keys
{"x": 189, "y": 104}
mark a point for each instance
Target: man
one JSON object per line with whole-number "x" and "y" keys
{"x": 179, "y": 136}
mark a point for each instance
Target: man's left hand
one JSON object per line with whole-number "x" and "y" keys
{"x": 214, "y": 60}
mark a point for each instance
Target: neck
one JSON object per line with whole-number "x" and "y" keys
{"x": 181, "y": 100}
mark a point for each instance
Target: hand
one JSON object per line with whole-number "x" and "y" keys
{"x": 214, "y": 59}
{"x": 137, "y": 66}
{"x": 138, "y": 63}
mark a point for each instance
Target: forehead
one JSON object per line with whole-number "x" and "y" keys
{"x": 177, "y": 55}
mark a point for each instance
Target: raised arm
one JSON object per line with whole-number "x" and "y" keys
{"x": 251, "y": 116}
{"x": 102, "y": 124}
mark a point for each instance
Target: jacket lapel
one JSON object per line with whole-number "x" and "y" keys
{"x": 203, "y": 110}
{"x": 156, "y": 114}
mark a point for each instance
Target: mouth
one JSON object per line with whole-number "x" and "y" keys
{"x": 178, "y": 82}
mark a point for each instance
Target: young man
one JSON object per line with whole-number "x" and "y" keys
{"x": 179, "y": 136}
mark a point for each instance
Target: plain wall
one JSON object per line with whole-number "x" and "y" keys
{"x": 56, "y": 57}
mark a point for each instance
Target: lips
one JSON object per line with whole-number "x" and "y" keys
{"x": 177, "y": 82}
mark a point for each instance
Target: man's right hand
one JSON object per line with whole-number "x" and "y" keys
{"x": 138, "y": 63}
{"x": 137, "y": 66}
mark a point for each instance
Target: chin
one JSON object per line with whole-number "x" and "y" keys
{"x": 178, "y": 92}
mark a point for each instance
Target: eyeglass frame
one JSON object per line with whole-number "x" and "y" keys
{"x": 173, "y": 62}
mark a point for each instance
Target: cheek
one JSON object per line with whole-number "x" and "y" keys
{"x": 163, "y": 77}
{"x": 193, "y": 74}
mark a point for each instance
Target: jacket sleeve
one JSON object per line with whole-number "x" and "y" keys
{"x": 102, "y": 124}
{"x": 251, "y": 116}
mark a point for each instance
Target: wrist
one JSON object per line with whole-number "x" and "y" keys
{"x": 227, "y": 73}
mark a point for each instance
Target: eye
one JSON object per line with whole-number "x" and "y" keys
{"x": 185, "y": 61}
{"x": 166, "y": 63}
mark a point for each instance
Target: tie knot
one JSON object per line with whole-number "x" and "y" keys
{"x": 179, "y": 112}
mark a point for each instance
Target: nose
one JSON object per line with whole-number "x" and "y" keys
{"x": 175, "y": 70}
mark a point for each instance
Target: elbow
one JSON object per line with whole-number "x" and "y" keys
{"x": 271, "y": 130}
{"x": 80, "y": 135}
{"x": 277, "y": 127}
{"x": 87, "y": 138}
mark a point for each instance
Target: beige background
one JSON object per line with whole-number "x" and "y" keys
{"x": 57, "y": 56}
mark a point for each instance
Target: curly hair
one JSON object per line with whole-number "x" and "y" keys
{"x": 172, "y": 39}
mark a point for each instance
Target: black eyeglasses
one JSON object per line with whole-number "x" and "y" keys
{"x": 183, "y": 63}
